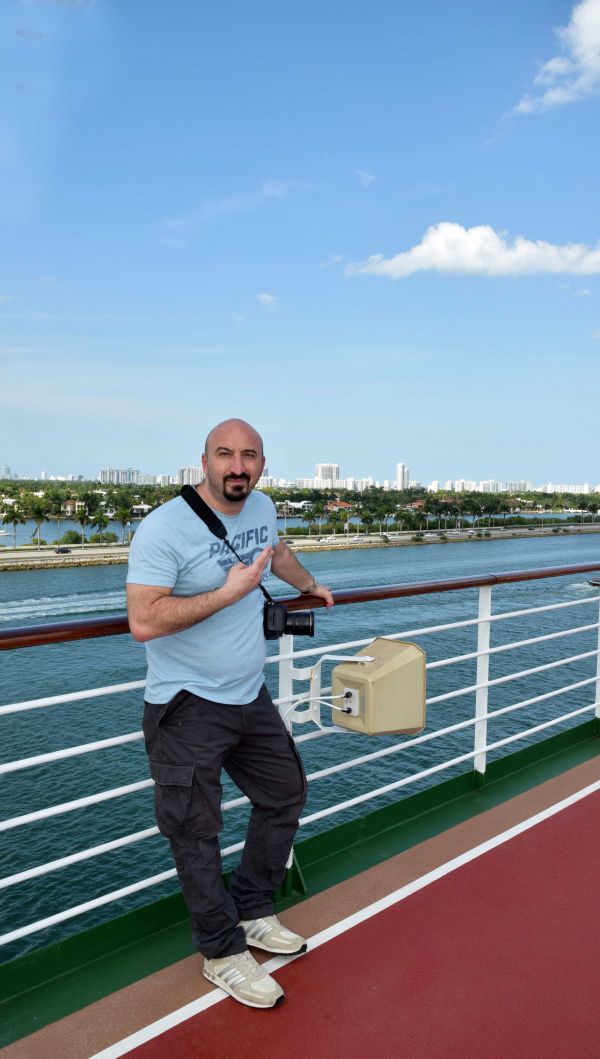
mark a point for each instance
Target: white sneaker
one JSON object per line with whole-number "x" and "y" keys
{"x": 244, "y": 979}
{"x": 269, "y": 934}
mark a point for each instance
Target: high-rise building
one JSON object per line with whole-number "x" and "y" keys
{"x": 327, "y": 472}
{"x": 4, "y": 470}
{"x": 116, "y": 476}
{"x": 189, "y": 475}
{"x": 402, "y": 476}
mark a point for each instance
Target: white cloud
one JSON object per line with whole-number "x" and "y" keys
{"x": 268, "y": 300}
{"x": 365, "y": 178}
{"x": 575, "y": 73}
{"x": 335, "y": 259}
{"x": 6, "y": 298}
{"x": 585, "y": 293}
{"x": 448, "y": 247}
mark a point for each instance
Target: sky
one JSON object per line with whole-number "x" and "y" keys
{"x": 372, "y": 230}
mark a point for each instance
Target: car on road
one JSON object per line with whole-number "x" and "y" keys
{"x": 62, "y": 551}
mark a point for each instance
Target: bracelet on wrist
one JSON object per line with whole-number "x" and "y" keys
{"x": 310, "y": 589}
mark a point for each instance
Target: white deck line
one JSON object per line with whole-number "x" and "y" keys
{"x": 175, "y": 1018}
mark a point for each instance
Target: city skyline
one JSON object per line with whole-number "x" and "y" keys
{"x": 190, "y": 474}
{"x": 370, "y": 223}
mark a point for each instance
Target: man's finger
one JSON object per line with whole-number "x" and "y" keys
{"x": 262, "y": 559}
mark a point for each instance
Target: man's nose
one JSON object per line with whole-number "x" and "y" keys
{"x": 237, "y": 464}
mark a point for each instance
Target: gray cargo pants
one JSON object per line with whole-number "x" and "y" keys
{"x": 189, "y": 741}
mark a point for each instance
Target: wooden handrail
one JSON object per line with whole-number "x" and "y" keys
{"x": 88, "y": 628}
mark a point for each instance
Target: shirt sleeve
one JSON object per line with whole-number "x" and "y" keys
{"x": 274, "y": 534}
{"x": 152, "y": 558}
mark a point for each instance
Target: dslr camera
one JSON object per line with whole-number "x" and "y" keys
{"x": 277, "y": 620}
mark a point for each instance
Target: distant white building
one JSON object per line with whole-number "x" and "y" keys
{"x": 116, "y": 476}
{"x": 402, "y": 476}
{"x": 328, "y": 472}
{"x": 490, "y": 486}
{"x": 189, "y": 475}
{"x": 266, "y": 481}
{"x": 556, "y": 487}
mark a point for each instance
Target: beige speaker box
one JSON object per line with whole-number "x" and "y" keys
{"x": 387, "y": 694}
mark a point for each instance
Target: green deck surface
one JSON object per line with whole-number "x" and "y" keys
{"x": 51, "y": 983}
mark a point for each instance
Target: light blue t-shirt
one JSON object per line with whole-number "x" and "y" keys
{"x": 221, "y": 658}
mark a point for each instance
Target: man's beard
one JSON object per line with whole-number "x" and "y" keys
{"x": 237, "y": 489}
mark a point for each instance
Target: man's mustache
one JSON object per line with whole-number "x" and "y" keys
{"x": 237, "y": 478}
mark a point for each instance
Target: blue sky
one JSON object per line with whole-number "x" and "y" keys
{"x": 371, "y": 229}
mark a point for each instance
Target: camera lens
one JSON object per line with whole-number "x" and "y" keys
{"x": 300, "y": 623}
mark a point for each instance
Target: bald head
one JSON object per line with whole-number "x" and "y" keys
{"x": 231, "y": 429}
{"x": 233, "y": 462}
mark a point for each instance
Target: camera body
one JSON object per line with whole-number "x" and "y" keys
{"x": 278, "y": 621}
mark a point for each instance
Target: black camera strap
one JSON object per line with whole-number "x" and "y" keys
{"x": 214, "y": 524}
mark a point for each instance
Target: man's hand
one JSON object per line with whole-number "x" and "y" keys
{"x": 323, "y": 593}
{"x": 243, "y": 579}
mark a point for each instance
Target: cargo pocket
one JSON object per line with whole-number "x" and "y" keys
{"x": 177, "y": 801}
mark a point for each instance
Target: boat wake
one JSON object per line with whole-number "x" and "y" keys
{"x": 59, "y": 606}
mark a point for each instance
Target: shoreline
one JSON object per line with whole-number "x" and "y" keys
{"x": 96, "y": 555}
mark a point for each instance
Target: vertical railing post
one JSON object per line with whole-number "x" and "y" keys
{"x": 286, "y": 678}
{"x": 483, "y": 670}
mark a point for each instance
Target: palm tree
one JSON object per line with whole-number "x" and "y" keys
{"x": 367, "y": 519}
{"x": 123, "y": 517}
{"x": 83, "y": 519}
{"x": 14, "y": 517}
{"x": 100, "y": 520}
{"x": 308, "y": 516}
{"x": 319, "y": 510}
{"x": 54, "y": 511}
{"x": 37, "y": 512}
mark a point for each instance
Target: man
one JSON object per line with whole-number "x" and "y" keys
{"x": 199, "y": 611}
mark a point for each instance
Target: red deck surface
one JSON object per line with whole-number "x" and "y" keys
{"x": 499, "y": 959}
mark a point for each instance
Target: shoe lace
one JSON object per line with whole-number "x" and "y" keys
{"x": 247, "y": 964}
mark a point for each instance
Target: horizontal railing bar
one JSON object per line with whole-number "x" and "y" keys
{"x": 72, "y": 696}
{"x": 76, "y": 858}
{"x": 59, "y": 632}
{"x": 72, "y": 751}
{"x": 87, "y": 906}
{"x": 155, "y": 880}
{"x": 77, "y": 803}
{"x": 511, "y": 646}
{"x": 511, "y": 676}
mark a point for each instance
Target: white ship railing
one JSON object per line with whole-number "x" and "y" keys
{"x": 306, "y": 707}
